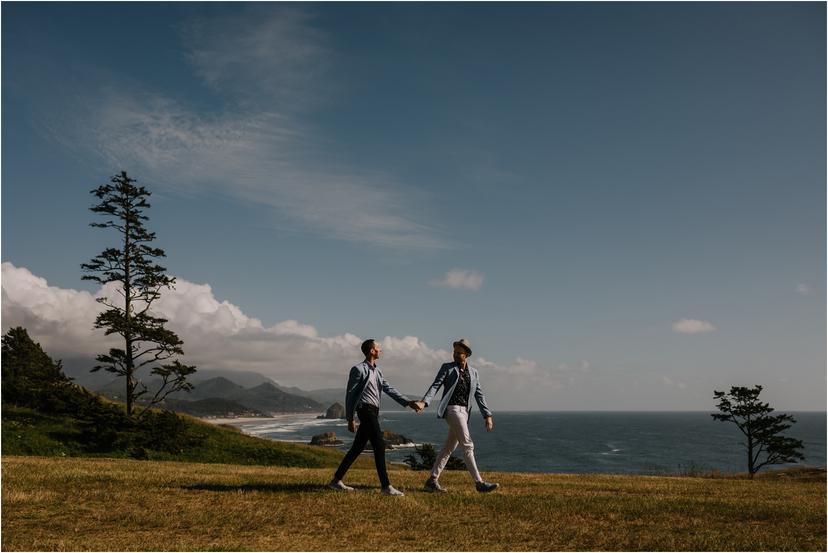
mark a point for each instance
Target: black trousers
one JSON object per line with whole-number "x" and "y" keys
{"x": 369, "y": 431}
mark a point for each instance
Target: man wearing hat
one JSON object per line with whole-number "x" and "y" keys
{"x": 460, "y": 382}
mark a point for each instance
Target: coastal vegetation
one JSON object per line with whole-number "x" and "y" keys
{"x": 764, "y": 442}
{"x": 44, "y": 413}
{"x": 170, "y": 436}
{"x": 120, "y": 505}
{"x": 427, "y": 455}
{"x": 132, "y": 266}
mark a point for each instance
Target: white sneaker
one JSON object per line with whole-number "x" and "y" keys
{"x": 339, "y": 486}
{"x": 391, "y": 490}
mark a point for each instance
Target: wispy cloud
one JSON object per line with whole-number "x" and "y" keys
{"x": 461, "y": 279}
{"x": 692, "y": 326}
{"x": 803, "y": 289}
{"x": 267, "y": 66}
{"x": 671, "y": 383}
{"x": 268, "y": 55}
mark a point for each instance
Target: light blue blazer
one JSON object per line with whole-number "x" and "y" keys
{"x": 357, "y": 379}
{"x": 447, "y": 377}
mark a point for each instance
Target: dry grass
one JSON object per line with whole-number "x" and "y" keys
{"x": 101, "y": 504}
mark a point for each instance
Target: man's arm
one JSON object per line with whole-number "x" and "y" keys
{"x": 438, "y": 381}
{"x": 393, "y": 393}
{"x": 480, "y": 397}
{"x": 350, "y": 393}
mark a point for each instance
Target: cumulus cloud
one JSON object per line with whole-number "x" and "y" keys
{"x": 218, "y": 335}
{"x": 692, "y": 326}
{"x": 461, "y": 279}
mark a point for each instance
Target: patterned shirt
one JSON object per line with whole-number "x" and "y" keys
{"x": 461, "y": 390}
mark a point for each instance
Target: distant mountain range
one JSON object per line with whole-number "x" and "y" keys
{"x": 78, "y": 369}
{"x": 222, "y": 393}
{"x": 220, "y": 396}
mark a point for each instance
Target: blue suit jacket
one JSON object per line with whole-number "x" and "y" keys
{"x": 357, "y": 379}
{"x": 447, "y": 377}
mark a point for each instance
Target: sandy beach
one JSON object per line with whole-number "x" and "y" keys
{"x": 242, "y": 420}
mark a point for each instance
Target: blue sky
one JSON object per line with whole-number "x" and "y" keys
{"x": 622, "y": 206}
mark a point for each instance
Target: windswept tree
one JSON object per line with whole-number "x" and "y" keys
{"x": 764, "y": 443}
{"x": 132, "y": 266}
{"x": 26, "y": 369}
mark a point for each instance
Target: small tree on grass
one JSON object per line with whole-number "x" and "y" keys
{"x": 763, "y": 440}
{"x": 132, "y": 266}
{"x": 427, "y": 456}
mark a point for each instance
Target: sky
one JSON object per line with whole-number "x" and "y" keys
{"x": 622, "y": 206}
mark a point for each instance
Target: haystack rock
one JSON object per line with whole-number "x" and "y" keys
{"x": 335, "y": 411}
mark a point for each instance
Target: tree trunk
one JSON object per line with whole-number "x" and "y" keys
{"x": 127, "y": 315}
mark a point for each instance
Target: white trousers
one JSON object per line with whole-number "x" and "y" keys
{"x": 457, "y": 418}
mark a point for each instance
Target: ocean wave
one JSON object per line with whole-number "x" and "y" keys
{"x": 289, "y": 426}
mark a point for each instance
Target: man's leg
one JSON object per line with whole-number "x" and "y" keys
{"x": 374, "y": 434}
{"x": 459, "y": 421}
{"x": 443, "y": 457}
{"x": 360, "y": 439}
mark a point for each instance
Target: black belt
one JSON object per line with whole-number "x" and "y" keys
{"x": 370, "y": 408}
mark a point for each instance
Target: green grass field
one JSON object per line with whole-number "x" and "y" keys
{"x": 120, "y": 504}
{"x": 29, "y": 432}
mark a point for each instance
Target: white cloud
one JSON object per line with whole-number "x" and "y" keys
{"x": 803, "y": 289}
{"x": 582, "y": 366}
{"x": 256, "y": 148}
{"x": 218, "y": 335}
{"x": 294, "y": 328}
{"x": 460, "y": 279}
{"x": 265, "y": 55}
{"x": 692, "y": 326}
{"x": 670, "y": 383}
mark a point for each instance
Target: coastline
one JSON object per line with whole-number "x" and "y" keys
{"x": 283, "y": 421}
{"x": 557, "y": 442}
{"x": 242, "y": 420}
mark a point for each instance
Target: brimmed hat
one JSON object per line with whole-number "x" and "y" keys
{"x": 465, "y": 344}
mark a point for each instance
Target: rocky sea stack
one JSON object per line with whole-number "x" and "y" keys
{"x": 326, "y": 439}
{"x": 335, "y": 411}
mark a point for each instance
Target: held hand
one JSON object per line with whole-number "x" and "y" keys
{"x": 422, "y": 405}
{"x": 352, "y": 426}
{"x": 416, "y": 405}
{"x": 489, "y": 424}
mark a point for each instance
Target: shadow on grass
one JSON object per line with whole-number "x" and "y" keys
{"x": 269, "y": 488}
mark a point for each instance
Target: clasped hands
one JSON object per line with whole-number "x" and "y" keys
{"x": 417, "y": 405}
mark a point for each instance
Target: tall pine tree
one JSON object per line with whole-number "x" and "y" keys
{"x": 140, "y": 279}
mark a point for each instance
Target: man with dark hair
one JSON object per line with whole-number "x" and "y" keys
{"x": 365, "y": 387}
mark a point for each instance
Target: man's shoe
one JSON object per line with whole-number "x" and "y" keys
{"x": 339, "y": 486}
{"x": 432, "y": 485}
{"x": 485, "y": 487}
{"x": 391, "y": 490}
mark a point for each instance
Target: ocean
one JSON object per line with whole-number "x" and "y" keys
{"x": 655, "y": 443}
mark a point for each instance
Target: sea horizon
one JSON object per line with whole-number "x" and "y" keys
{"x": 617, "y": 442}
